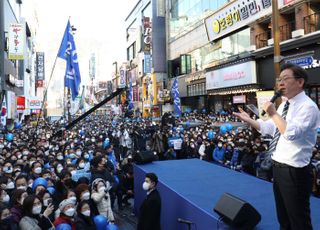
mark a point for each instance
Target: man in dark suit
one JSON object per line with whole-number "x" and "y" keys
{"x": 149, "y": 216}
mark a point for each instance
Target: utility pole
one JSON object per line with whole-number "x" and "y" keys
{"x": 276, "y": 38}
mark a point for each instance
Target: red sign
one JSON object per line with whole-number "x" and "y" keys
{"x": 21, "y": 103}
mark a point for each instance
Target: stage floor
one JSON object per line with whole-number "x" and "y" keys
{"x": 201, "y": 184}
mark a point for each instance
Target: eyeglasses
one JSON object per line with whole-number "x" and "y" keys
{"x": 284, "y": 79}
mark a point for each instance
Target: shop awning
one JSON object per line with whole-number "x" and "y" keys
{"x": 235, "y": 90}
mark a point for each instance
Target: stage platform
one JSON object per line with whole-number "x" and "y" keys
{"x": 190, "y": 189}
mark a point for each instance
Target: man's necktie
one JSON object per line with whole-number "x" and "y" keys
{"x": 274, "y": 141}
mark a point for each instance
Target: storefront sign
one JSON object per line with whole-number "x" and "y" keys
{"x": 301, "y": 61}
{"x": 147, "y": 34}
{"x": 35, "y": 103}
{"x": 195, "y": 77}
{"x": 288, "y": 1}
{"x": 122, "y": 78}
{"x": 40, "y": 66}
{"x": 147, "y": 63}
{"x": 16, "y": 41}
{"x": 240, "y": 74}
{"x": 241, "y": 99}
{"x": 236, "y": 15}
{"x": 21, "y": 103}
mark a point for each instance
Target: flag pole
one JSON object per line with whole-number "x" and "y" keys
{"x": 46, "y": 90}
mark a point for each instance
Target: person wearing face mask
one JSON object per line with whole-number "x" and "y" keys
{"x": 21, "y": 183}
{"x": 4, "y": 197}
{"x": 150, "y": 209}
{"x": 218, "y": 153}
{"x": 83, "y": 194}
{"x": 33, "y": 218}
{"x": 18, "y": 197}
{"x": 67, "y": 211}
{"x": 36, "y": 170}
{"x": 83, "y": 219}
{"x": 101, "y": 197}
{"x": 47, "y": 201}
{"x": 6, "y": 222}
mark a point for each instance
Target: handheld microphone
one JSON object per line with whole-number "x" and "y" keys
{"x": 184, "y": 221}
{"x": 273, "y": 99}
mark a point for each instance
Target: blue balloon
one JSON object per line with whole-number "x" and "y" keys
{"x": 9, "y": 137}
{"x": 318, "y": 130}
{"x": 112, "y": 227}
{"x": 223, "y": 129}
{"x": 101, "y": 222}
{"x": 63, "y": 227}
{"x": 229, "y": 127}
{"x": 82, "y": 132}
{"x": 51, "y": 190}
{"x": 210, "y": 135}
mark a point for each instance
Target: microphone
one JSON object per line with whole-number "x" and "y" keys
{"x": 184, "y": 221}
{"x": 273, "y": 99}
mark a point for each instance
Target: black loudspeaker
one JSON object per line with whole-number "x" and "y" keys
{"x": 236, "y": 212}
{"x": 144, "y": 157}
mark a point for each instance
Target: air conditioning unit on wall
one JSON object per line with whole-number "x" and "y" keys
{"x": 297, "y": 33}
{"x": 270, "y": 42}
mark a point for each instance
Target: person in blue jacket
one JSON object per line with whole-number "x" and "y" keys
{"x": 218, "y": 153}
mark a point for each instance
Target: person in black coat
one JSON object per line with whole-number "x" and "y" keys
{"x": 150, "y": 209}
{"x": 84, "y": 217}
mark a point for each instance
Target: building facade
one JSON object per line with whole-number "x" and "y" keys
{"x": 17, "y": 58}
{"x": 222, "y": 51}
{"x": 146, "y": 55}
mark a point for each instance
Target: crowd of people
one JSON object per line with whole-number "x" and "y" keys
{"x": 49, "y": 181}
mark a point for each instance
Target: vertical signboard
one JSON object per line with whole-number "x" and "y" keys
{"x": 122, "y": 78}
{"x": 40, "y": 66}
{"x": 147, "y": 63}
{"x": 147, "y": 34}
{"x": 21, "y": 103}
{"x": 92, "y": 66}
{"x": 16, "y": 41}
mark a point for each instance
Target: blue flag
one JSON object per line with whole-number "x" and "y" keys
{"x": 130, "y": 96}
{"x": 176, "y": 98}
{"x": 68, "y": 52}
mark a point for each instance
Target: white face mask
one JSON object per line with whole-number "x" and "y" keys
{"x": 146, "y": 186}
{"x": 69, "y": 212}
{"x": 6, "y": 198}
{"x": 10, "y": 185}
{"x": 24, "y": 188}
{"x": 86, "y": 213}
{"x": 102, "y": 189}
{"x": 7, "y": 169}
{"x": 38, "y": 170}
{"x": 30, "y": 185}
{"x": 78, "y": 153}
{"x": 36, "y": 210}
{"x": 86, "y": 196}
{"x": 73, "y": 199}
{"x": 219, "y": 145}
{"x": 59, "y": 169}
{"x": 60, "y": 157}
{"x": 81, "y": 165}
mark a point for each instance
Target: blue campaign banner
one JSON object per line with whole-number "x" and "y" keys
{"x": 81, "y": 173}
